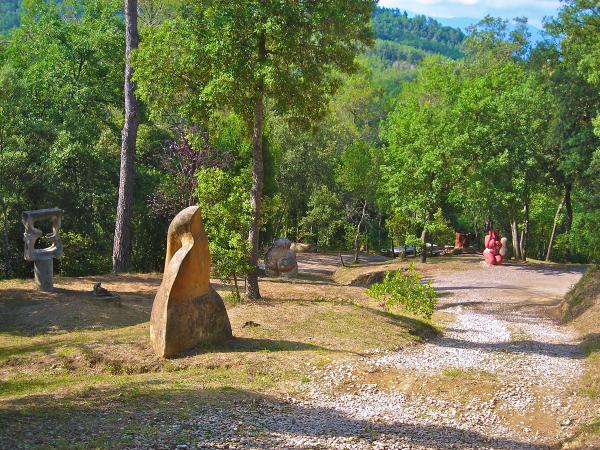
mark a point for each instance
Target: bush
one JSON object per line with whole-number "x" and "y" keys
{"x": 407, "y": 290}
{"x": 82, "y": 256}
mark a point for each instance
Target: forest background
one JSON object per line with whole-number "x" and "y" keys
{"x": 429, "y": 131}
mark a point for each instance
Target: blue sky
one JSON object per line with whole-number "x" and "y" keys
{"x": 534, "y": 10}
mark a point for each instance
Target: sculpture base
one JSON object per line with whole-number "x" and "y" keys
{"x": 181, "y": 324}
{"x": 43, "y": 270}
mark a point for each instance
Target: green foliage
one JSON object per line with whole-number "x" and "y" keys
{"x": 401, "y": 227}
{"x": 440, "y": 230}
{"x": 406, "y": 289}
{"x": 83, "y": 256}
{"x": 226, "y": 215}
{"x": 303, "y": 43}
{"x": 325, "y": 219}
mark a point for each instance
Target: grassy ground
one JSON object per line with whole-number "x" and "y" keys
{"x": 71, "y": 366}
{"x": 581, "y": 309}
{"x": 345, "y": 275}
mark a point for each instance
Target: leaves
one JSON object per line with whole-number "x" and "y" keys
{"x": 408, "y": 290}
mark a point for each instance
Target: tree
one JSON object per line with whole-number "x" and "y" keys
{"x": 122, "y": 242}
{"x": 61, "y": 76}
{"x": 417, "y": 160}
{"x": 326, "y": 219}
{"x": 244, "y": 55}
{"x": 226, "y": 217}
{"x": 358, "y": 174}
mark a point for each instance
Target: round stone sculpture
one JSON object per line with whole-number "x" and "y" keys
{"x": 280, "y": 259}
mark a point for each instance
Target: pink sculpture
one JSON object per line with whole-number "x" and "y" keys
{"x": 492, "y": 249}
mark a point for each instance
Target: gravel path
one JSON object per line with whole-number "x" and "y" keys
{"x": 497, "y": 378}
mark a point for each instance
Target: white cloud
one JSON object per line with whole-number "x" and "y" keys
{"x": 535, "y": 10}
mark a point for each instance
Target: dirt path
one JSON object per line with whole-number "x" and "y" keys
{"x": 500, "y": 376}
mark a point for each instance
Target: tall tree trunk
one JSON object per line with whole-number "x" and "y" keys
{"x": 237, "y": 288}
{"x": 424, "y": 238}
{"x": 569, "y": 206}
{"x": 553, "y": 235}
{"x": 515, "y": 239}
{"x": 525, "y": 232}
{"x": 379, "y": 234}
{"x": 424, "y": 242}
{"x": 122, "y": 242}
{"x": 252, "y": 289}
{"x": 357, "y": 236}
{"x": 7, "y": 266}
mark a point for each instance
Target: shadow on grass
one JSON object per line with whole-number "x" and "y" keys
{"x": 149, "y": 415}
{"x": 29, "y": 313}
{"x": 249, "y": 345}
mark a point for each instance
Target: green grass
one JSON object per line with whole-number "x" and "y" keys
{"x": 583, "y": 295}
{"x": 103, "y": 380}
{"x": 457, "y": 373}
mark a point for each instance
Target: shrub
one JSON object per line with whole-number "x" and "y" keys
{"x": 407, "y": 290}
{"x": 83, "y": 256}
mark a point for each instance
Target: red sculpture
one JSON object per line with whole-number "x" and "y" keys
{"x": 492, "y": 249}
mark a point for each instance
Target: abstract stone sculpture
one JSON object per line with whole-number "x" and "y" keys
{"x": 281, "y": 260}
{"x": 493, "y": 247}
{"x": 504, "y": 248}
{"x": 187, "y": 311}
{"x": 461, "y": 241}
{"x": 43, "y": 258}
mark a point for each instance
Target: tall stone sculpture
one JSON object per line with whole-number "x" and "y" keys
{"x": 43, "y": 258}
{"x": 281, "y": 260}
{"x": 504, "y": 247}
{"x": 187, "y": 311}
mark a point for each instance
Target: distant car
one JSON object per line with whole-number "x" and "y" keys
{"x": 399, "y": 251}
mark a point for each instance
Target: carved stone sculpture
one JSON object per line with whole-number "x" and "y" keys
{"x": 43, "y": 258}
{"x": 281, "y": 260}
{"x": 493, "y": 246}
{"x": 504, "y": 248}
{"x": 187, "y": 311}
{"x": 461, "y": 243}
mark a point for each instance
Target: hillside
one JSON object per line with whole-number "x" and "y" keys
{"x": 9, "y": 14}
{"x": 402, "y": 42}
{"x": 419, "y": 32}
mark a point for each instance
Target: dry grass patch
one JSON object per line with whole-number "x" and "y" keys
{"x": 346, "y": 275}
{"x": 73, "y": 370}
{"x": 581, "y": 309}
{"x": 64, "y": 341}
